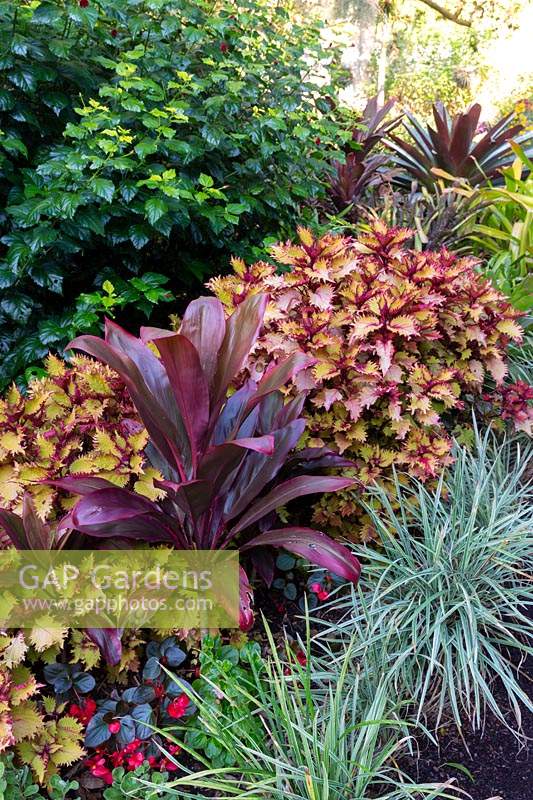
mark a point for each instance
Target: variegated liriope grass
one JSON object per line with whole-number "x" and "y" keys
{"x": 442, "y": 609}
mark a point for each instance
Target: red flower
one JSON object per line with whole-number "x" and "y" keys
{"x": 224, "y": 47}
{"x": 114, "y": 726}
{"x": 117, "y": 758}
{"x": 83, "y": 712}
{"x": 99, "y": 768}
{"x": 83, "y": 3}
{"x": 177, "y": 708}
{"x": 135, "y": 760}
{"x": 165, "y": 764}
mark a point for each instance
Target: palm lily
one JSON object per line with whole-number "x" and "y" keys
{"x": 360, "y": 169}
{"x": 29, "y": 532}
{"x": 220, "y": 456}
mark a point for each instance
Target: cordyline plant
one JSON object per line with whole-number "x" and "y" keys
{"x": 453, "y": 147}
{"x": 401, "y": 339}
{"x": 220, "y": 456}
{"x": 29, "y": 532}
{"x": 360, "y": 169}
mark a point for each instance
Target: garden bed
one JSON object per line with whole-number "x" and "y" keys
{"x": 498, "y": 765}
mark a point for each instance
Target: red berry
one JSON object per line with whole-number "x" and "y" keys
{"x": 318, "y": 140}
{"x": 224, "y": 47}
{"x": 316, "y": 588}
{"x": 83, "y": 3}
{"x": 323, "y": 595}
{"x": 114, "y": 726}
{"x": 114, "y": 32}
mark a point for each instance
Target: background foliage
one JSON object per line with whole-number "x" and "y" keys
{"x": 159, "y": 135}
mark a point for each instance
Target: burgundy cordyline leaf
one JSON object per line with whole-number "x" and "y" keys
{"x": 287, "y": 491}
{"x": 318, "y": 458}
{"x": 314, "y": 546}
{"x": 14, "y": 527}
{"x": 246, "y": 598}
{"x": 242, "y": 330}
{"x": 108, "y": 641}
{"x": 27, "y": 532}
{"x": 38, "y": 535}
{"x": 204, "y": 324}
{"x": 84, "y": 484}
{"x": 148, "y": 334}
{"x": 278, "y": 374}
{"x": 290, "y": 411}
{"x": 258, "y": 470}
{"x": 217, "y": 464}
{"x": 164, "y": 430}
{"x": 232, "y": 414}
{"x": 112, "y": 512}
{"x": 190, "y": 388}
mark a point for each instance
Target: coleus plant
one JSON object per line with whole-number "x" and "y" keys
{"x": 403, "y": 341}
{"x": 454, "y": 149}
{"x": 221, "y": 456}
{"x": 77, "y": 418}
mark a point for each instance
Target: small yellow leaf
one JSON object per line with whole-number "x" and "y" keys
{"x": 13, "y": 654}
{"x": 26, "y": 721}
{"x": 509, "y": 328}
{"x": 305, "y": 236}
{"x": 11, "y": 442}
{"x": 44, "y": 635}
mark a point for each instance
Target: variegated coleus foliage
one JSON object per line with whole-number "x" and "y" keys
{"x": 401, "y": 338}
{"x": 78, "y": 419}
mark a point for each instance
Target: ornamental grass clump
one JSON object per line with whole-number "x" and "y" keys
{"x": 296, "y": 727}
{"x": 402, "y": 340}
{"x": 446, "y": 598}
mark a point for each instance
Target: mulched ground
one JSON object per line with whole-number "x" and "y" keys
{"x": 500, "y": 767}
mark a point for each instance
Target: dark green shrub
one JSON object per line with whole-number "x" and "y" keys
{"x": 157, "y": 135}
